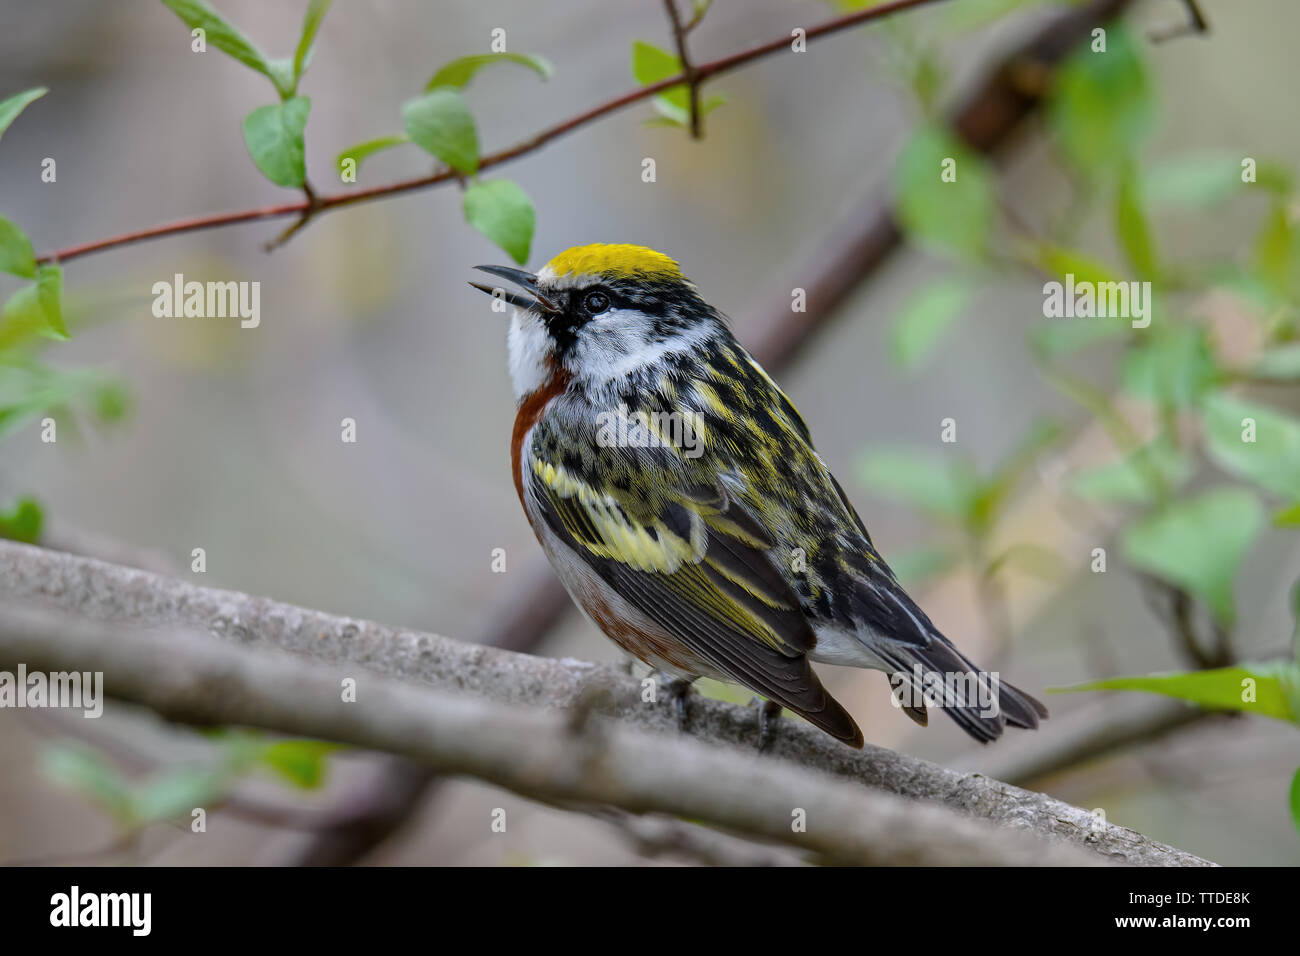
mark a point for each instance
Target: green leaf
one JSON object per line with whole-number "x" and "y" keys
{"x": 16, "y": 254}
{"x": 1137, "y": 478}
{"x": 82, "y": 770}
{"x": 967, "y": 17}
{"x": 29, "y": 389}
{"x": 281, "y": 73}
{"x": 1062, "y": 261}
{"x": 1288, "y": 517}
{"x": 111, "y": 401}
{"x": 1131, "y": 225}
{"x": 302, "y": 762}
{"x": 241, "y": 748}
{"x": 316, "y": 10}
{"x": 953, "y": 216}
{"x": 650, "y": 64}
{"x": 1173, "y": 365}
{"x": 1193, "y": 180}
{"x": 23, "y": 521}
{"x": 40, "y": 305}
{"x": 1277, "y": 254}
{"x": 1275, "y": 177}
{"x": 1199, "y": 543}
{"x": 1102, "y": 106}
{"x": 274, "y": 135}
{"x": 221, "y": 34}
{"x": 1295, "y": 633}
{"x": 440, "y": 123}
{"x": 363, "y": 151}
{"x": 502, "y": 211}
{"x": 670, "y": 114}
{"x": 927, "y": 483}
{"x": 1272, "y": 460}
{"x": 1279, "y": 364}
{"x": 460, "y": 71}
{"x": 177, "y": 793}
{"x": 1226, "y": 688}
{"x": 925, "y": 318}
{"x": 1295, "y": 800}
{"x": 10, "y": 108}
{"x": 1063, "y": 336}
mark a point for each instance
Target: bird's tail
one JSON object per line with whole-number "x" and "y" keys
{"x": 937, "y": 673}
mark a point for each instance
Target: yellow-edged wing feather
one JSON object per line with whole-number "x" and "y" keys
{"x": 698, "y": 563}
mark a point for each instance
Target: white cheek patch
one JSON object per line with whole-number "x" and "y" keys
{"x": 609, "y": 346}
{"x": 530, "y": 352}
{"x": 618, "y": 343}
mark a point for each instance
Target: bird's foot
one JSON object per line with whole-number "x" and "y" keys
{"x": 678, "y": 690}
{"x": 769, "y": 716}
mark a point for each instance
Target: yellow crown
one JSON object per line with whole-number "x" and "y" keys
{"x": 615, "y": 262}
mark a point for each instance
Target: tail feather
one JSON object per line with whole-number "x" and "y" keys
{"x": 983, "y": 711}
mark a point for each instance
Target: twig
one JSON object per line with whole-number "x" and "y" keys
{"x": 688, "y": 70}
{"x": 138, "y": 599}
{"x": 701, "y": 8}
{"x": 312, "y": 208}
{"x": 1179, "y": 613}
{"x": 338, "y": 200}
{"x": 1195, "y": 23}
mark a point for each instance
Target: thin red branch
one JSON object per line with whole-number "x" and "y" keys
{"x": 326, "y": 203}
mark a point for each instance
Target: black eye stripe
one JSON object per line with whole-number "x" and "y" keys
{"x": 595, "y": 302}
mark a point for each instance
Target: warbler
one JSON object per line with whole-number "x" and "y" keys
{"x": 676, "y": 491}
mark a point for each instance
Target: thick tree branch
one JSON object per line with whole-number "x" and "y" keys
{"x": 312, "y": 207}
{"x": 138, "y": 599}
{"x": 535, "y": 753}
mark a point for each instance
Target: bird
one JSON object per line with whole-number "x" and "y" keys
{"x": 677, "y": 493}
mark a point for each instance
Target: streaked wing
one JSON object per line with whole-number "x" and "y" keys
{"x": 696, "y": 561}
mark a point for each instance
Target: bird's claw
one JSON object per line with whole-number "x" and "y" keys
{"x": 769, "y": 713}
{"x": 679, "y": 689}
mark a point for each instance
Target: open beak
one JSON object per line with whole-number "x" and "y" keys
{"x": 525, "y": 280}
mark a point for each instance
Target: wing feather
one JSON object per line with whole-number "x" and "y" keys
{"x": 697, "y": 562}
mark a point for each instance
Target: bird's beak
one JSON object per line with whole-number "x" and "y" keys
{"x": 525, "y": 280}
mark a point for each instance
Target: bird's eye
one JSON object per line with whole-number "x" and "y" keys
{"x": 595, "y": 302}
